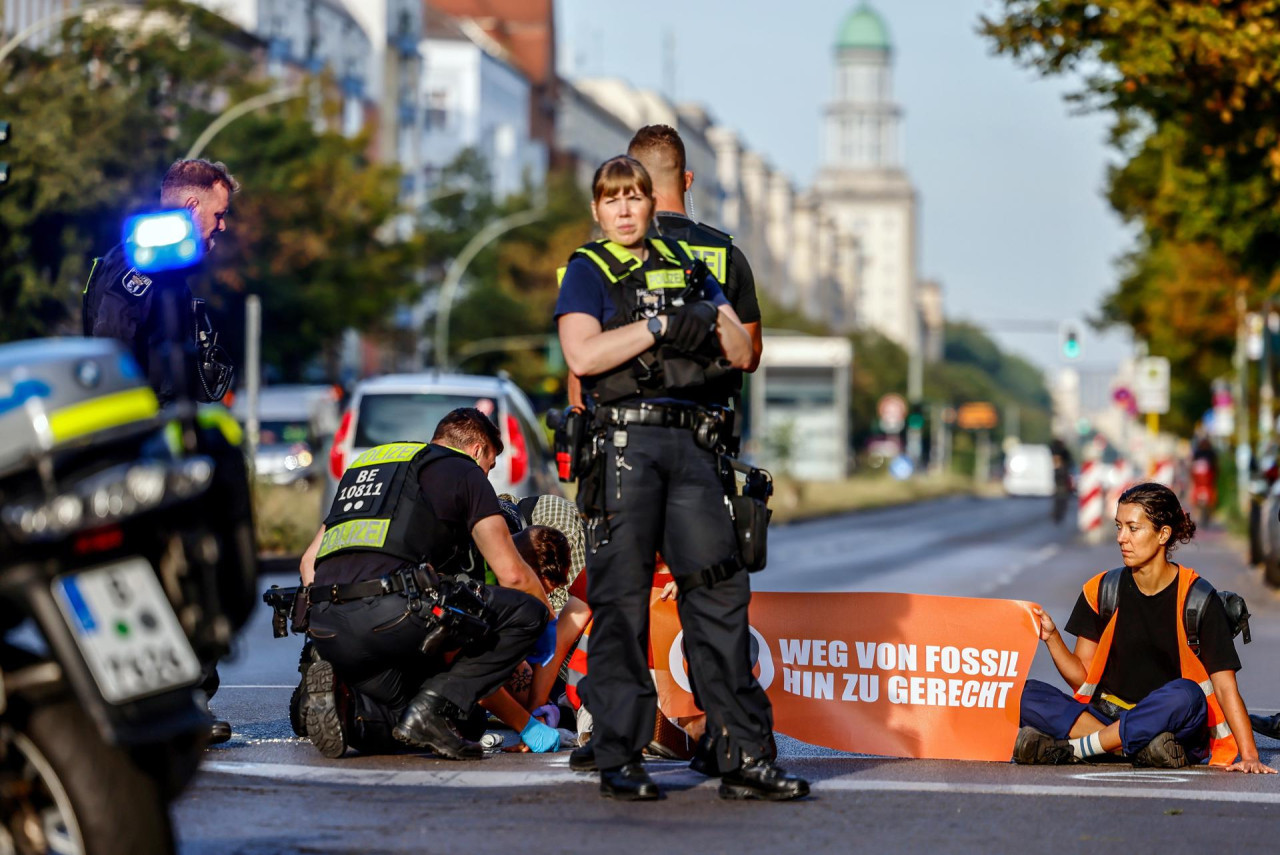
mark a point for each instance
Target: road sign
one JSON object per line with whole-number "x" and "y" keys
{"x": 979, "y": 415}
{"x": 892, "y": 410}
{"x": 1151, "y": 385}
{"x": 1253, "y": 341}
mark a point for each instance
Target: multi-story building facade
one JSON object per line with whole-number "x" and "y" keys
{"x": 477, "y": 98}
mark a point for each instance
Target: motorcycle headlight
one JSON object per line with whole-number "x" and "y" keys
{"x": 107, "y": 496}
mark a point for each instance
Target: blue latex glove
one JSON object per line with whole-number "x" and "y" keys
{"x": 539, "y": 737}
{"x": 548, "y": 714}
{"x": 545, "y": 649}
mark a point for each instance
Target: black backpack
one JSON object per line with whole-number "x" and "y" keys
{"x": 1193, "y": 610}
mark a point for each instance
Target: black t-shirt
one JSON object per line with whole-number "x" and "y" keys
{"x": 460, "y": 496}
{"x": 740, "y": 283}
{"x": 1144, "y": 649}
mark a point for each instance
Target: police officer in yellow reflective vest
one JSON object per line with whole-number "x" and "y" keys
{"x": 386, "y": 602}
{"x": 662, "y": 152}
{"x": 648, "y": 329}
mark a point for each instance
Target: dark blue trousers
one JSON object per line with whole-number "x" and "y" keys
{"x": 1178, "y": 707}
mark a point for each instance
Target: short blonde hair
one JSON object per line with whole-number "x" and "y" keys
{"x": 619, "y": 174}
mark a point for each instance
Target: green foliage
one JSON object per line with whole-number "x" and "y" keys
{"x": 98, "y": 121}
{"x": 309, "y": 233}
{"x": 511, "y": 286}
{"x": 1193, "y": 89}
{"x": 975, "y": 369}
{"x": 94, "y": 128}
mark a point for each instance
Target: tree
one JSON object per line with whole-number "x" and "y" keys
{"x": 97, "y": 124}
{"x": 313, "y": 234}
{"x": 1193, "y": 89}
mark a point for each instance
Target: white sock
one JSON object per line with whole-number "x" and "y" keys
{"x": 1088, "y": 746}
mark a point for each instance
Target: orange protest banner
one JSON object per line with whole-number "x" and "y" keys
{"x": 905, "y": 675}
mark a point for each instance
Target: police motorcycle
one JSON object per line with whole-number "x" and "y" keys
{"x": 127, "y": 561}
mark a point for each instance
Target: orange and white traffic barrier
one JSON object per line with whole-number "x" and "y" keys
{"x": 1089, "y": 493}
{"x": 1162, "y": 471}
{"x": 1119, "y": 479}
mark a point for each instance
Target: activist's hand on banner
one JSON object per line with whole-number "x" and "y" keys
{"x": 1047, "y": 626}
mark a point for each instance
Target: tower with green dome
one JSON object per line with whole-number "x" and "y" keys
{"x": 862, "y": 181}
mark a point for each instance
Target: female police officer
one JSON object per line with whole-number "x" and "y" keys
{"x": 646, "y": 328}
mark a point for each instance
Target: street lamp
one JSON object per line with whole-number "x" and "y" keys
{"x": 236, "y": 111}
{"x": 457, "y": 267}
{"x": 56, "y": 18}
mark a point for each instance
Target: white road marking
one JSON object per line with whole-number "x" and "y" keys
{"x": 458, "y": 775}
{"x": 1142, "y": 776}
{"x": 256, "y": 686}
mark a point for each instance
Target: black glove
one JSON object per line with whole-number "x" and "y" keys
{"x": 688, "y": 328}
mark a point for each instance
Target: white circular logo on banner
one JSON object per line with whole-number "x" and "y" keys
{"x": 763, "y": 658}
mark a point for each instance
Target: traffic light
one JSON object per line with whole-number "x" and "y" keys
{"x": 4, "y": 138}
{"x": 915, "y": 416}
{"x": 1069, "y": 336}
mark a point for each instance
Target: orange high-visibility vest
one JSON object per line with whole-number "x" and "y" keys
{"x": 577, "y": 669}
{"x": 1222, "y": 744}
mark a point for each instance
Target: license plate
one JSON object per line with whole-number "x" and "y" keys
{"x": 126, "y": 630}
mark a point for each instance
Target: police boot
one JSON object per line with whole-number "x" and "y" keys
{"x": 219, "y": 732}
{"x": 426, "y": 724}
{"x": 761, "y": 779}
{"x": 297, "y": 700}
{"x": 325, "y": 709}
{"x": 1266, "y": 725}
{"x": 583, "y": 758}
{"x": 629, "y": 783}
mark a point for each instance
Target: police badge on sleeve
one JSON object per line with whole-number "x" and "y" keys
{"x": 135, "y": 283}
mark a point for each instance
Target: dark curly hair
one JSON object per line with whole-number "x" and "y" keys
{"x": 546, "y": 550}
{"x": 1163, "y": 509}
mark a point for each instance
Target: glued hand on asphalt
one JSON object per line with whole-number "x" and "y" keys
{"x": 539, "y": 737}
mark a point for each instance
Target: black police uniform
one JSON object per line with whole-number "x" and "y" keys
{"x": 729, "y": 265}
{"x": 124, "y": 303}
{"x": 431, "y": 497}
{"x": 661, "y": 492}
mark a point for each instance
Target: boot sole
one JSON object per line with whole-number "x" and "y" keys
{"x": 631, "y": 797}
{"x": 583, "y": 765}
{"x": 734, "y": 792}
{"x": 324, "y": 727}
{"x": 409, "y": 739}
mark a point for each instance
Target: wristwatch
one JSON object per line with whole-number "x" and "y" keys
{"x": 655, "y": 327}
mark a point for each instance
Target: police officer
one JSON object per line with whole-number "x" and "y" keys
{"x": 398, "y": 508}
{"x": 647, "y": 329}
{"x": 124, "y": 303}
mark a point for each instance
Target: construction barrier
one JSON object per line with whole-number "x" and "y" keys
{"x": 904, "y": 675}
{"x": 1089, "y": 495}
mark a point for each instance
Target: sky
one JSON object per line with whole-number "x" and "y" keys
{"x": 1013, "y": 220}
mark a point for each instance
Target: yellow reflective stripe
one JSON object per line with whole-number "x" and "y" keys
{"x": 90, "y": 278}
{"x": 1220, "y": 731}
{"x": 371, "y": 534}
{"x": 600, "y": 262}
{"x": 392, "y": 452}
{"x": 215, "y": 416}
{"x": 103, "y": 413}
{"x": 1124, "y": 705}
{"x": 622, "y": 254}
{"x": 716, "y": 259}
{"x": 656, "y": 279}
{"x": 665, "y": 251}
{"x": 560, "y": 275}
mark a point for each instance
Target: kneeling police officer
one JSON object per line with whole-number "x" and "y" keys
{"x": 384, "y": 609}
{"x": 648, "y": 330}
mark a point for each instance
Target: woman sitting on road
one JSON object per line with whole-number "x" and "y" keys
{"x": 1141, "y": 690}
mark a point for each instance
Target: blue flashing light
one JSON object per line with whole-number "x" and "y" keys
{"x": 167, "y": 240}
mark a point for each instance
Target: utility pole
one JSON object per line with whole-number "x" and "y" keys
{"x": 1243, "y": 453}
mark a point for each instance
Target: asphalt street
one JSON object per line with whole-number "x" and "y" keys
{"x": 269, "y": 792}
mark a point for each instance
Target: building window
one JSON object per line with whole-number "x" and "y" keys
{"x": 437, "y": 110}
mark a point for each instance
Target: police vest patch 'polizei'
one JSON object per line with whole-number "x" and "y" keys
{"x": 135, "y": 283}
